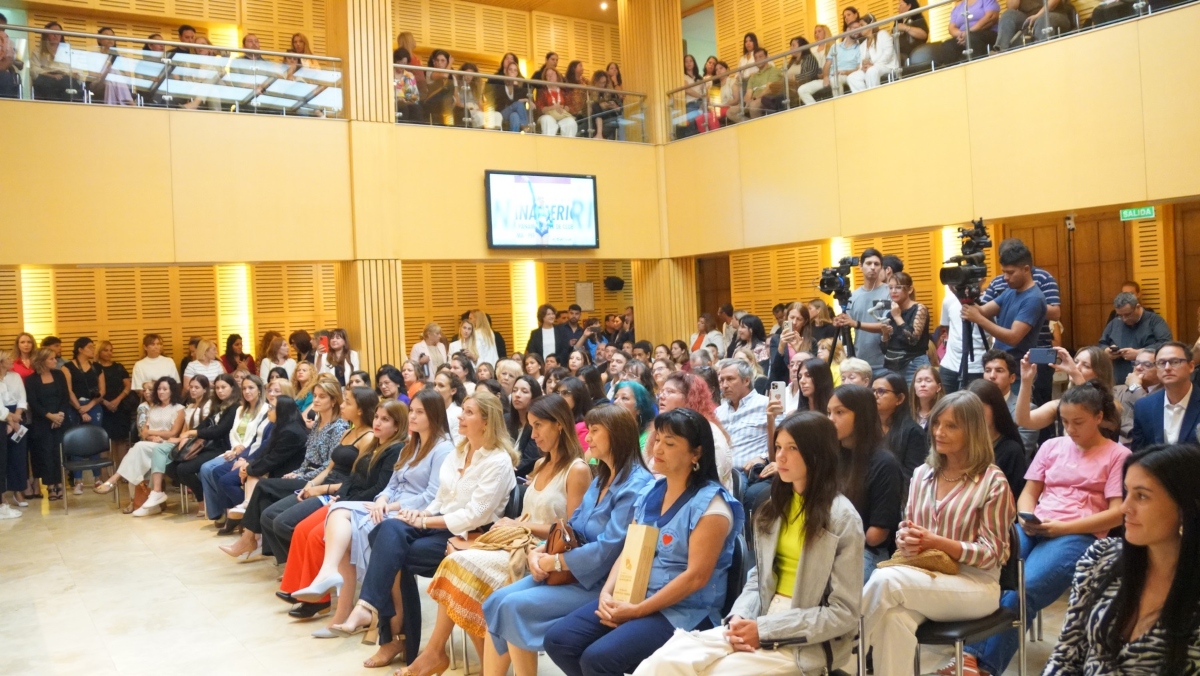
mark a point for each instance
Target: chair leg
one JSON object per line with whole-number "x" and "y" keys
{"x": 465, "y": 656}
{"x": 453, "y": 653}
{"x": 958, "y": 658}
{"x": 917, "y": 661}
{"x": 1022, "y": 613}
{"x": 862, "y": 649}
{"x": 66, "y": 493}
{"x": 1039, "y": 626}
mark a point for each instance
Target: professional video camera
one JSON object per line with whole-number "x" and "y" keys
{"x": 964, "y": 274}
{"x": 836, "y": 281}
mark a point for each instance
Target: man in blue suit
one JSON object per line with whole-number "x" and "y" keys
{"x": 1171, "y": 414}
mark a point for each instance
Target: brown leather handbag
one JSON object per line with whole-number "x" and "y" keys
{"x": 561, "y": 540}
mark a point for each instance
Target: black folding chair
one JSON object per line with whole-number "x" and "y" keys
{"x": 513, "y": 509}
{"x": 738, "y": 571}
{"x": 75, "y": 453}
{"x": 958, "y": 634}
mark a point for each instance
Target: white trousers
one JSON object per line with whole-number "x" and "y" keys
{"x": 486, "y": 120}
{"x": 137, "y": 461}
{"x": 566, "y": 126}
{"x": 897, "y": 600}
{"x": 707, "y": 653}
{"x": 860, "y": 80}
{"x": 806, "y": 90}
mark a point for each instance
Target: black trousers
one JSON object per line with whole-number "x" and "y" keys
{"x": 279, "y": 521}
{"x": 266, "y": 493}
{"x": 398, "y": 548}
{"x": 187, "y": 472}
{"x": 43, "y": 450}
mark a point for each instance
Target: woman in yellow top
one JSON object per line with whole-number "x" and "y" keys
{"x": 799, "y": 609}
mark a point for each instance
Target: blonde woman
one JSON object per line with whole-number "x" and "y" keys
{"x": 300, "y": 45}
{"x": 52, "y": 79}
{"x": 205, "y": 364}
{"x": 429, "y": 352}
{"x": 304, "y": 379}
{"x": 834, "y": 360}
{"x": 408, "y": 42}
{"x": 487, "y": 345}
{"x": 465, "y": 342}
{"x": 924, "y": 393}
{"x": 474, "y": 486}
{"x": 958, "y": 479}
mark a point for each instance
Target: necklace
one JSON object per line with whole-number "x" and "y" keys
{"x": 951, "y": 481}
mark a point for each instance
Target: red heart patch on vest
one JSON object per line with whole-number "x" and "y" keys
{"x": 668, "y": 539}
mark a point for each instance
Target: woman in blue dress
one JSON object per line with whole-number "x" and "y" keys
{"x": 698, "y": 522}
{"x": 519, "y": 615}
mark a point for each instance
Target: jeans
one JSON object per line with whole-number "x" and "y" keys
{"x": 516, "y": 115}
{"x": 872, "y": 556}
{"x": 210, "y": 474}
{"x": 1013, "y": 20}
{"x": 398, "y": 548}
{"x": 1049, "y": 568}
{"x": 950, "y": 381}
{"x": 581, "y": 646}
{"x": 911, "y": 369}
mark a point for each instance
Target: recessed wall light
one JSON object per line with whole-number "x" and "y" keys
{"x": 604, "y": 5}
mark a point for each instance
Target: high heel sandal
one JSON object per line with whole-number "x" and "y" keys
{"x": 372, "y": 635}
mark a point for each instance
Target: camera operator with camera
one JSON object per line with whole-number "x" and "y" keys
{"x": 1016, "y": 316}
{"x": 867, "y": 346}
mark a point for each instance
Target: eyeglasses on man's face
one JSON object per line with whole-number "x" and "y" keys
{"x": 1170, "y": 363}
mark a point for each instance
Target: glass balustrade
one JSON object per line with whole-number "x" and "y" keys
{"x": 464, "y": 98}
{"x": 46, "y": 67}
{"x": 877, "y": 52}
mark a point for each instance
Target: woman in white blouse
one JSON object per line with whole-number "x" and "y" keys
{"x": 276, "y": 356}
{"x": 464, "y": 343}
{"x": 164, "y": 422}
{"x": 12, "y": 398}
{"x": 878, "y": 58}
{"x": 205, "y": 364}
{"x": 429, "y": 352}
{"x": 337, "y": 357}
{"x": 483, "y": 340}
{"x": 474, "y": 486}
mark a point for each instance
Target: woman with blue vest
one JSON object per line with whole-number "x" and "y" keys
{"x": 519, "y": 615}
{"x": 697, "y": 521}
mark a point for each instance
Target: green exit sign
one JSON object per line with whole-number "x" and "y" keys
{"x": 1137, "y": 213}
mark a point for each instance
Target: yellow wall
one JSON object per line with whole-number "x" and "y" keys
{"x": 1103, "y": 118}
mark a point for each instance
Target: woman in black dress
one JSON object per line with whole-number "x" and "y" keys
{"x": 86, "y": 390}
{"x": 116, "y": 400}
{"x": 49, "y": 400}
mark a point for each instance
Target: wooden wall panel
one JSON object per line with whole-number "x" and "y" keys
{"x": 664, "y": 299}
{"x": 761, "y": 278}
{"x": 1151, "y": 257}
{"x": 1187, "y": 265}
{"x": 225, "y": 36}
{"x": 274, "y": 22}
{"x": 470, "y": 31}
{"x": 293, "y": 296}
{"x": 922, "y": 255}
{"x": 775, "y": 22}
{"x": 371, "y": 310}
{"x": 440, "y": 291}
{"x": 561, "y": 278}
{"x": 594, "y": 43}
{"x": 1099, "y": 267}
{"x": 11, "y": 322}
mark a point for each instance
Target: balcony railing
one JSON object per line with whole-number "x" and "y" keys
{"x": 467, "y": 99}
{"x": 165, "y": 74}
{"x": 809, "y": 73}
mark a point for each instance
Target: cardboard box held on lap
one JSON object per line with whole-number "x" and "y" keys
{"x": 636, "y": 560}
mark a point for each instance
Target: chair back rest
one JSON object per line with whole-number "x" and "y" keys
{"x": 738, "y": 485}
{"x": 1008, "y": 572}
{"x": 515, "y": 501}
{"x": 738, "y": 571}
{"x": 922, "y": 55}
{"x": 83, "y": 441}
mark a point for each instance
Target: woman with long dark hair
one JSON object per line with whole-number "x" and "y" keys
{"x": 519, "y": 615}
{"x": 868, "y": 475}
{"x": 1133, "y": 603}
{"x": 235, "y": 357}
{"x": 574, "y": 391}
{"x": 337, "y": 357}
{"x": 811, "y": 539}
{"x": 902, "y": 435}
{"x": 1007, "y": 445}
{"x": 796, "y": 336}
{"x": 751, "y": 334}
{"x": 525, "y": 391}
{"x": 698, "y": 521}
{"x": 1073, "y": 490}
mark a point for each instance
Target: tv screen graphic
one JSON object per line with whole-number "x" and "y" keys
{"x": 541, "y": 211}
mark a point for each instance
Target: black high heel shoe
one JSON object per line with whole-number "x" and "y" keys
{"x": 307, "y": 611}
{"x": 231, "y": 527}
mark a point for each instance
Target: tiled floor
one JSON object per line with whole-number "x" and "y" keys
{"x": 98, "y": 592}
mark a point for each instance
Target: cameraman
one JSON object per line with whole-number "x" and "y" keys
{"x": 867, "y": 346}
{"x": 1043, "y": 387}
{"x": 1020, "y": 311}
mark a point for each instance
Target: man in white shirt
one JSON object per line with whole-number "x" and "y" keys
{"x": 154, "y": 365}
{"x": 743, "y": 414}
{"x": 952, "y": 362}
{"x": 1171, "y": 414}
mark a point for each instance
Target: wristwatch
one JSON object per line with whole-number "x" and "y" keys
{"x": 558, "y": 563}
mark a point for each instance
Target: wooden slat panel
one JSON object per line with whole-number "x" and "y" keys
{"x": 435, "y": 291}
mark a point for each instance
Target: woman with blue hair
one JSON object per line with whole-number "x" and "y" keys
{"x": 634, "y": 398}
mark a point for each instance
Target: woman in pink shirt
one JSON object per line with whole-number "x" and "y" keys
{"x": 1073, "y": 491}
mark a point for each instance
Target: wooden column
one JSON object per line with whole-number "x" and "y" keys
{"x": 652, "y": 56}
{"x": 664, "y": 298}
{"x": 371, "y": 309}
{"x": 359, "y": 31}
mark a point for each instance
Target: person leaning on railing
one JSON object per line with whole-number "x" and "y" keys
{"x": 408, "y": 94}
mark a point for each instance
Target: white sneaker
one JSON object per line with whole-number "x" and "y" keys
{"x": 7, "y": 512}
{"x": 78, "y": 488}
{"x": 147, "y": 511}
{"x": 19, "y": 500}
{"x": 237, "y": 510}
{"x": 156, "y": 498}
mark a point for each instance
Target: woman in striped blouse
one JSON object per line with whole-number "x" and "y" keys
{"x": 958, "y": 503}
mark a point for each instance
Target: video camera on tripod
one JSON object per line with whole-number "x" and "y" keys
{"x": 835, "y": 281}
{"x": 965, "y": 273}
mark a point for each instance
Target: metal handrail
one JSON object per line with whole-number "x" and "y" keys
{"x": 166, "y": 43}
{"x": 505, "y": 78}
{"x": 811, "y": 45}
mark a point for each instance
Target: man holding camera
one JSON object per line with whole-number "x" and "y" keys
{"x": 1016, "y": 316}
{"x": 1132, "y": 330}
{"x": 867, "y": 346}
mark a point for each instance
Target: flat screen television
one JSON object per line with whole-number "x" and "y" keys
{"x": 541, "y": 211}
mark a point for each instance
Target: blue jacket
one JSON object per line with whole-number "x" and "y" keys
{"x": 1148, "y": 420}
